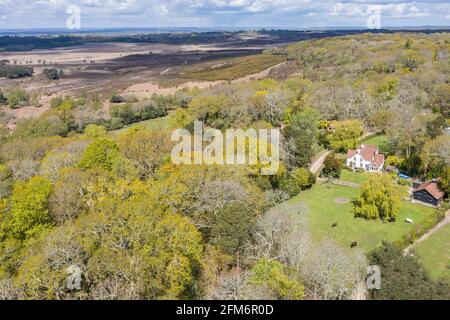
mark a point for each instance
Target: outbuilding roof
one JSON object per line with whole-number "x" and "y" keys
{"x": 432, "y": 188}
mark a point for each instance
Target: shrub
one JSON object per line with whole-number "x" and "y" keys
{"x": 125, "y": 112}
{"x": 17, "y": 98}
{"x": 116, "y": 124}
{"x": 55, "y": 102}
{"x": 149, "y": 110}
{"x": 84, "y": 116}
{"x": 53, "y": 74}
{"x": 2, "y": 98}
{"x": 263, "y": 183}
{"x": 303, "y": 178}
{"x": 300, "y": 179}
{"x": 41, "y": 127}
{"x": 115, "y": 98}
{"x": 404, "y": 182}
{"x": 275, "y": 197}
{"x": 131, "y": 113}
{"x": 23, "y": 169}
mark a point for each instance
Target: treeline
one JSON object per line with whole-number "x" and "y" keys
{"x": 14, "y": 72}
{"x": 28, "y": 43}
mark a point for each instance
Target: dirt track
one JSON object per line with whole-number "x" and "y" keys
{"x": 315, "y": 166}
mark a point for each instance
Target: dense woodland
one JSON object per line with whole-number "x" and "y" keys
{"x": 73, "y": 191}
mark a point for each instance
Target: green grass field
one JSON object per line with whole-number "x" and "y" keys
{"x": 323, "y": 211}
{"x": 434, "y": 253}
{"x": 231, "y": 69}
{"x": 382, "y": 142}
{"x": 158, "y": 123}
{"x": 355, "y": 177}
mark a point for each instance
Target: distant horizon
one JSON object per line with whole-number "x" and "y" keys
{"x": 208, "y": 29}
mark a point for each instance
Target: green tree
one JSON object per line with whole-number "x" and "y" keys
{"x": 301, "y": 136}
{"x": 344, "y": 135}
{"x": 387, "y": 89}
{"x": 209, "y": 110}
{"x": 100, "y": 154}
{"x": 232, "y": 228}
{"x": 29, "y": 208}
{"x": 272, "y": 275}
{"x": 332, "y": 167}
{"x": 444, "y": 182}
{"x": 380, "y": 198}
{"x": 403, "y": 278}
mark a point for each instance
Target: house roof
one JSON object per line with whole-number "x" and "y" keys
{"x": 379, "y": 160}
{"x": 432, "y": 188}
{"x": 351, "y": 153}
{"x": 368, "y": 153}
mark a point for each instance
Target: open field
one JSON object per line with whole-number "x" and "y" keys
{"x": 158, "y": 123}
{"x": 113, "y": 66}
{"x": 325, "y": 206}
{"x": 140, "y": 68}
{"x": 434, "y": 253}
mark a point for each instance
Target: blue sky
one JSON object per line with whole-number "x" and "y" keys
{"x": 36, "y": 14}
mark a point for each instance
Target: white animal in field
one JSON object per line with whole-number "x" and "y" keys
{"x": 410, "y": 221}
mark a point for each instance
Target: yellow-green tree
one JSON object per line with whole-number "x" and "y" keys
{"x": 344, "y": 135}
{"x": 100, "y": 154}
{"x": 126, "y": 248}
{"x": 379, "y": 199}
{"x": 95, "y": 132}
{"x": 29, "y": 213}
{"x": 273, "y": 276}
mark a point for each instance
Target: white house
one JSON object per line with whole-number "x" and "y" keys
{"x": 367, "y": 158}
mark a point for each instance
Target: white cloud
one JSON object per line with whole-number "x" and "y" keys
{"x": 129, "y": 13}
